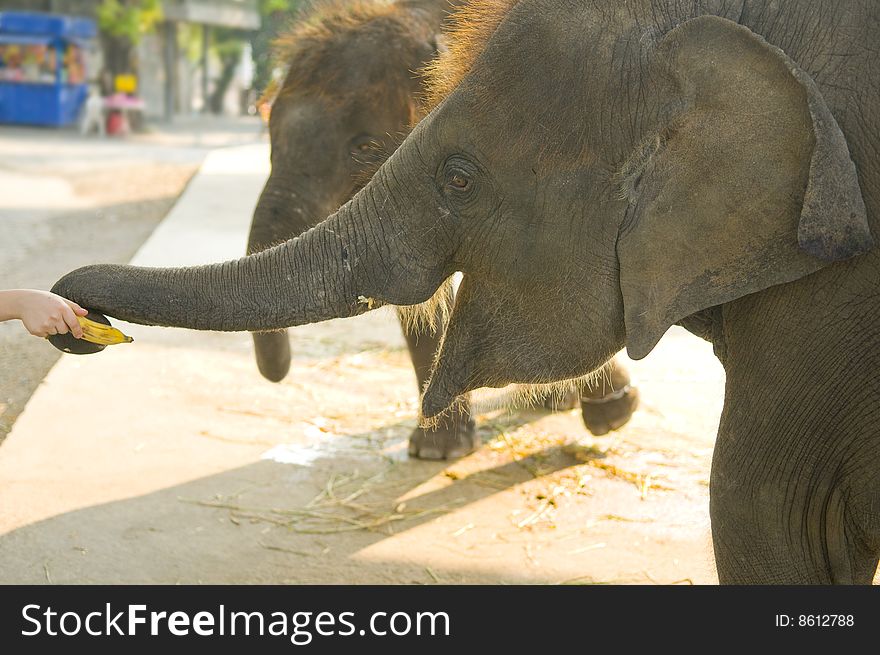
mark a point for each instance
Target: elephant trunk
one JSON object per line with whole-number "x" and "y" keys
{"x": 312, "y": 278}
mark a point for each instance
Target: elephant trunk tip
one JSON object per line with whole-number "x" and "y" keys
{"x": 272, "y": 350}
{"x": 274, "y": 373}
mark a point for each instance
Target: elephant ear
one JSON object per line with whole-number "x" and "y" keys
{"x": 749, "y": 183}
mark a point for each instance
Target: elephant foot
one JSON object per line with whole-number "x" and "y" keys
{"x": 454, "y": 437}
{"x": 562, "y": 403}
{"x": 610, "y": 412}
{"x": 610, "y": 404}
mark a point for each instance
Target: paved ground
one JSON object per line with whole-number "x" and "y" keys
{"x": 66, "y": 201}
{"x": 171, "y": 460}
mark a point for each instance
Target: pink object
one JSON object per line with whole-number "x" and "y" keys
{"x": 117, "y": 107}
{"x": 116, "y": 123}
{"x": 123, "y": 102}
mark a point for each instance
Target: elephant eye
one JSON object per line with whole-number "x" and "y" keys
{"x": 363, "y": 144}
{"x": 458, "y": 181}
{"x": 458, "y": 176}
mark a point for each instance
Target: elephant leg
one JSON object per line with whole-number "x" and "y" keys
{"x": 611, "y": 401}
{"x": 778, "y": 518}
{"x": 455, "y": 434}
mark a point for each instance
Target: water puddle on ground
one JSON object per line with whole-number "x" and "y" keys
{"x": 319, "y": 442}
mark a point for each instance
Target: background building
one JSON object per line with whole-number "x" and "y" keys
{"x": 188, "y": 55}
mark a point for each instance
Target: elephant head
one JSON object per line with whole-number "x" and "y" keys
{"x": 348, "y": 94}
{"x": 596, "y": 181}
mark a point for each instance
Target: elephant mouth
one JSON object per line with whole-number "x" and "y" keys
{"x": 497, "y": 336}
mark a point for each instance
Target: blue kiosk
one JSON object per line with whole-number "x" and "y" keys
{"x": 42, "y": 67}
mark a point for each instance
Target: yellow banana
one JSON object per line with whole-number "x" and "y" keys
{"x": 101, "y": 334}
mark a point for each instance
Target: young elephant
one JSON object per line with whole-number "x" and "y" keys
{"x": 600, "y": 171}
{"x": 349, "y": 95}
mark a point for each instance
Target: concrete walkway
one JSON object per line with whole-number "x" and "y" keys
{"x": 67, "y": 200}
{"x": 172, "y": 460}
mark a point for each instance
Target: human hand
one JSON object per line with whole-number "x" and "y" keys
{"x": 44, "y": 313}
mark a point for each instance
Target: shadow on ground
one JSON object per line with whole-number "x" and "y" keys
{"x": 275, "y": 523}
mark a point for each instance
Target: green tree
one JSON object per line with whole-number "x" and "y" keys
{"x": 227, "y": 44}
{"x": 123, "y": 23}
{"x": 277, "y": 16}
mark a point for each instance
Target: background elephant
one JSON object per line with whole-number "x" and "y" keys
{"x": 600, "y": 171}
{"x": 348, "y": 93}
{"x": 348, "y": 97}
